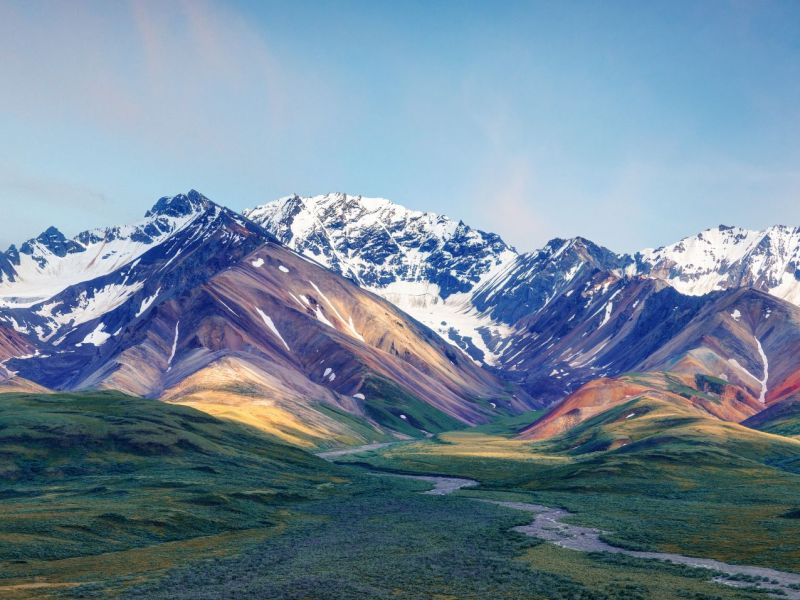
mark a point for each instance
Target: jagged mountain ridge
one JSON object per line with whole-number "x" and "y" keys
{"x": 49, "y": 263}
{"x": 552, "y": 319}
{"x": 375, "y": 255}
{"x": 217, "y": 313}
{"x": 378, "y": 243}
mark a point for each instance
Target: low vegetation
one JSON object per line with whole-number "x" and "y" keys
{"x": 91, "y": 474}
{"x": 106, "y": 495}
{"x": 653, "y": 477}
{"x": 389, "y": 542}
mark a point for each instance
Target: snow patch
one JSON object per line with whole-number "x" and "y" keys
{"x": 353, "y": 329}
{"x": 97, "y": 337}
{"x": 228, "y": 307}
{"x": 174, "y": 346}
{"x": 763, "y": 396}
{"x": 322, "y": 318}
{"x": 146, "y": 303}
{"x": 271, "y": 325}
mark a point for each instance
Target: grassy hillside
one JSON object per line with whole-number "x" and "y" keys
{"x": 106, "y": 494}
{"x": 86, "y": 474}
{"x": 782, "y": 418}
{"x": 652, "y": 473}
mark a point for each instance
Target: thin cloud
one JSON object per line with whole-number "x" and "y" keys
{"x": 160, "y": 73}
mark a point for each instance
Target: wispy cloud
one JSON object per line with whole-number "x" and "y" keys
{"x": 159, "y": 72}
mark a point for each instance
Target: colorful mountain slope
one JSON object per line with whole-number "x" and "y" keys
{"x": 731, "y": 358}
{"x": 703, "y": 395}
{"x": 219, "y": 293}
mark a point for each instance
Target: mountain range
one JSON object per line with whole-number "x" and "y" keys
{"x": 342, "y": 319}
{"x": 554, "y": 319}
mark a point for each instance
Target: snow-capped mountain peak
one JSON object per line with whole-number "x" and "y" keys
{"x": 378, "y": 242}
{"x": 112, "y": 275}
{"x": 730, "y": 257}
{"x": 53, "y": 241}
{"x": 426, "y": 263}
{"x": 180, "y": 205}
{"x": 47, "y": 264}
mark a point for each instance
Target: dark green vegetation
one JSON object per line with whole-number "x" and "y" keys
{"x": 392, "y": 407}
{"x": 389, "y": 541}
{"x": 678, "y": 483}
{"x": 84, "y": 474}
{"x": 107, "y": 495}
{"x": 357, "y": 425}
{"x": 510, "y": 425}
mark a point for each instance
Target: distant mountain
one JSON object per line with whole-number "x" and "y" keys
{"x": 729, "y": 257}
{"x": 293, "y": 316}
{"x": 552, "y": 319}
{"x": 197, "y": 304}
{"x": 426, "y": 264}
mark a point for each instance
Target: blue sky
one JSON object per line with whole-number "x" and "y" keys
{"x": 631, "y": 123}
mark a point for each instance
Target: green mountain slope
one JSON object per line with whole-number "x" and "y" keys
{"x": 91, "y": 473}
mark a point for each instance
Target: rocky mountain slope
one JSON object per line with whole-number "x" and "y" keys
{"x": 426, "y": 264}
{"x": 556, "y": 318}
{"x": 200, "y": 305}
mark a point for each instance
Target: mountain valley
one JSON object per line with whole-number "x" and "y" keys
{"x": 165, "y": 386}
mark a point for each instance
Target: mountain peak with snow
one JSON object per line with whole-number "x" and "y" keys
{"x": 423, "y": 262}
{"x": 45, "y": 265}
{"x": 180, "y": 205}
{"x": 380, "y": 243}
{"x": 728, "y": 257}
{"x": 52, "y": 240}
